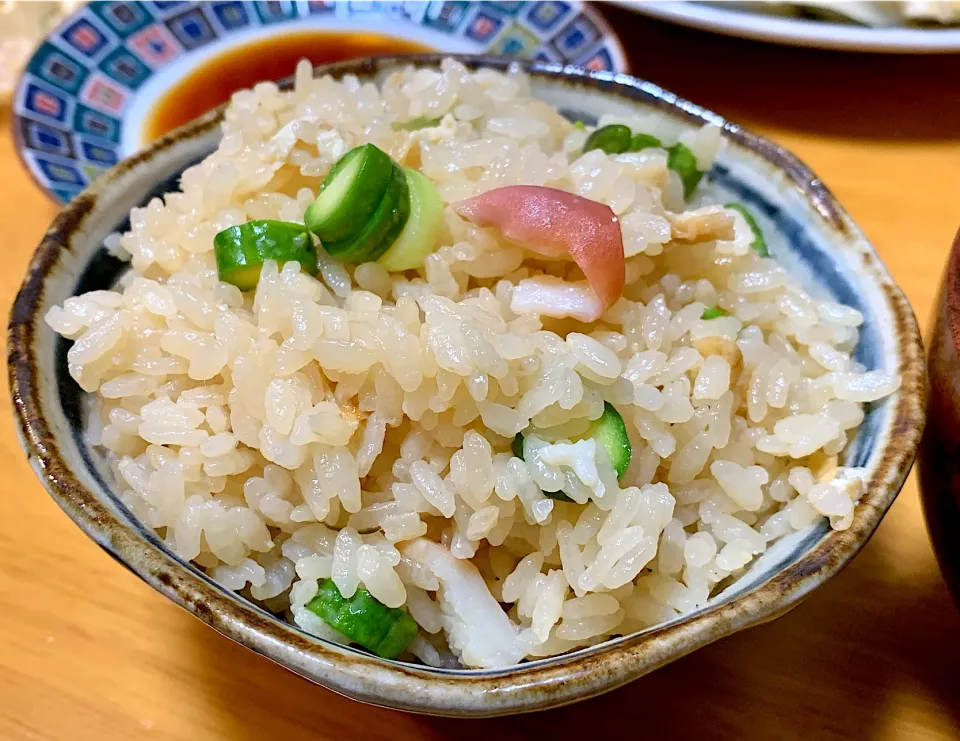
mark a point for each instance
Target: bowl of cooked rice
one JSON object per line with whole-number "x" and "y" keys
{"x": 467, "y": 386}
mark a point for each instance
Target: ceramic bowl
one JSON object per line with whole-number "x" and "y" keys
{"x": 814, "y": 236}
{"x": 735, "y": 20}
{"x": 940, "y": 451}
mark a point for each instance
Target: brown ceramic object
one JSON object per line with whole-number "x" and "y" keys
{"x": 940, "y": 451}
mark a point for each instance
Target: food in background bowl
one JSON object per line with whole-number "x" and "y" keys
{"x": 874, "y": 14}
{"x": 22, "y": 25}
{"x": 433, "y": 370}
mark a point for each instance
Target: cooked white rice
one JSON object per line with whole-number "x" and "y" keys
{"x": 336, "y": 427}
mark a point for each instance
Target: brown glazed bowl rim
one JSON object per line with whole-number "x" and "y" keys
{"x": 532, "y": 686}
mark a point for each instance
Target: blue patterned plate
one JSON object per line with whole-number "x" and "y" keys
{"x": 87, "y": 96}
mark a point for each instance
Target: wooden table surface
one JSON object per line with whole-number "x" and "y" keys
{"x": 88, "y": 652}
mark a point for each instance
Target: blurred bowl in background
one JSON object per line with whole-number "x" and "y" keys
{"x": 775, "y": 25}
{"x": 114, "y": 76}
{"x": 940, "y": 450}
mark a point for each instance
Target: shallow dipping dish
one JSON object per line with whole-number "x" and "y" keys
{"x": 821, "y": 244}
